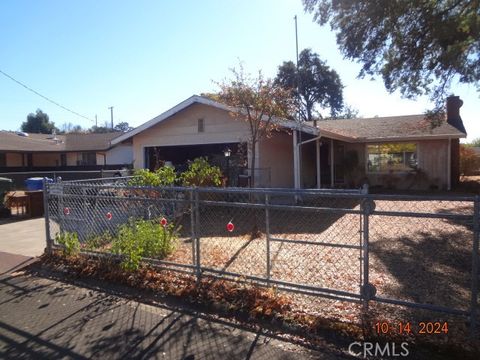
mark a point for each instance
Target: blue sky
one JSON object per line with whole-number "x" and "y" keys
{"x": 143, "y": 57}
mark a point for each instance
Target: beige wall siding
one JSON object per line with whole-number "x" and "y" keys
{"x": 45, "y": 159}
{"x": 433, "y": 159}
{"x": 276, "y": 154}
{"x": 182, "y": 129}
{"x": 14, "y": 159}
{"x": 72, "y": 159}
{"x": 101, "y": 159}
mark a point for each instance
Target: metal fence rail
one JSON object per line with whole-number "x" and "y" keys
{"x": 415, "y": 251}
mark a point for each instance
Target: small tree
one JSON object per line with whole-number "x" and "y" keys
{"x": 38, "y": 123}
{"x": 259, "y": 102}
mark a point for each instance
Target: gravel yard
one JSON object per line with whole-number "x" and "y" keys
{"x": 415, "y": 259}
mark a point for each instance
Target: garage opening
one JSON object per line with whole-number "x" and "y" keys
{"x": 179, "y": 156}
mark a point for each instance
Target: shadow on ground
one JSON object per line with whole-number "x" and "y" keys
{"x": 43, "y": 318}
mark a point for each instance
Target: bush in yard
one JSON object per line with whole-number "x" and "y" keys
{"x": 143, "y": 238}
{"x": 469, "y": 161}
{"x": 70, "y": 242}
{"x": 201, "y": 173}
{"x": 164, "y": 176}
{"x": 97, "y": 242}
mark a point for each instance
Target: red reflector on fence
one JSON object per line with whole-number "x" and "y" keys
{"x": 109, "y": 216}
{"x": 230, "y": 226}
{"x": 163, "y": 222}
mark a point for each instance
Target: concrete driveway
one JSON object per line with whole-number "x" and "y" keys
{"x": 25, "y": 237}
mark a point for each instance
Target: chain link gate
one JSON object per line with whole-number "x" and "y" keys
{"x": 333, "y": 244}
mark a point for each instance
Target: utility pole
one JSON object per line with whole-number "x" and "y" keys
{"x": 96, "y": 122}
{"x": 296, "y": 38}
{"x": 111, "y": 115}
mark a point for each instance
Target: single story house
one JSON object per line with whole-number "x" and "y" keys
{"x": 397, "y": 152}
{"x": 50, "y": 152}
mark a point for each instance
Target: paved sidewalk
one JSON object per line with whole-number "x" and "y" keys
{"x": 11, "y": 262}
{"x": 46, "y": 319}
{"x": 25, "y": 237}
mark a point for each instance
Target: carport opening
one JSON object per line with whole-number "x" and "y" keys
{"x": 179, "y": 156}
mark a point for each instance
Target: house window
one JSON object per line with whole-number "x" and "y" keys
{"x": 3, "y": 160}
{"x": 392, "y": 157}
{"x": 89, "y": 158}
{"x": 201, "y": 125}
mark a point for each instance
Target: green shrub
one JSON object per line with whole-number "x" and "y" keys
{"x": 143, "y": 238}
{"x": 69, "y": 240}
{"x": 165, "y": 176}
{"x": 96, "y": 242}
{"x": 201, "y": 173}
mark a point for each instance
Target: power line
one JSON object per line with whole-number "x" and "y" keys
{"x": 44, "y": 97}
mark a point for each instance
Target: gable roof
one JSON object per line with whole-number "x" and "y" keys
{"x": 11, "y": 141}
{"x": 394, "y": 128}
{"x": 195, "y": 99}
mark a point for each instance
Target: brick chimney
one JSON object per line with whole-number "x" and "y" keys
{"x": 454, "y": 103}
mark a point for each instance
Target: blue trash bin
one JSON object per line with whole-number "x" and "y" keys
{"x": 36, "y": 183}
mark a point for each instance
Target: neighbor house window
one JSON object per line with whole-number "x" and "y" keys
{"x": 3, "y": 160}
{"x": 392, "y": 157}
{"x": 89, "y": 158}
{"x": 201, "y": 125}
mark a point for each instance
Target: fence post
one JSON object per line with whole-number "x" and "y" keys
{"x": 47, "y": 218}
{"x": 192, "y": 225}
{"x": 474, "y": 285}
{"x": 368, "y": 291}
{"x": 197, "y": 237}
{"x": 267, "y": 230}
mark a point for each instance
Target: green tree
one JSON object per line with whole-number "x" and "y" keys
{"x": 475, "y": 142}
{"x": 348, "y": 112}
{"x": 418, "y": 47}
{"x": 38, "y": 123}
{"x": 101, "y": 129}
{"x": 123, "y": 127}
{"x": 313, "y": 84}
{"x": 258, "y": 101}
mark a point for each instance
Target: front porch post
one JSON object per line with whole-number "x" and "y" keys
{"x": 332, "y": 168}
{"x": 319, "y": 181}
{"x": 296, "y": 161}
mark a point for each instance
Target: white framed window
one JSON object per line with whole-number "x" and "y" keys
{"x": 392, "y": 157}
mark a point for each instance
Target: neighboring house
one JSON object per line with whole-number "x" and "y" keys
{"x": 34, "y": 152}
{"x": 400, "y": 151}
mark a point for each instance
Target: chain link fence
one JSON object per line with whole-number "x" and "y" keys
{"x": 420, "y": 252}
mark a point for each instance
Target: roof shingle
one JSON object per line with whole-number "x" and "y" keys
{"x": 11, "y": 141}
{"x": 385, "y": 128}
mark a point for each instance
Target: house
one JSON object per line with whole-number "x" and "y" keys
{"x": 399, "y": 151}
{"x": 49, "y": 152}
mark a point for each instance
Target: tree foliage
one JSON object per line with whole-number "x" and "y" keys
{"x": 38, "y": 123}
{"x": 418, "y": 47}
{"x": 258, "y": 101}
{"x": 469, "y": 161}
{"x": 201, "y": 173}
{"x": 313, "y": 84}
{"x": 475, "y": 142}
{"x": 123, "y": 127}
{"x": 164, "y": 176}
